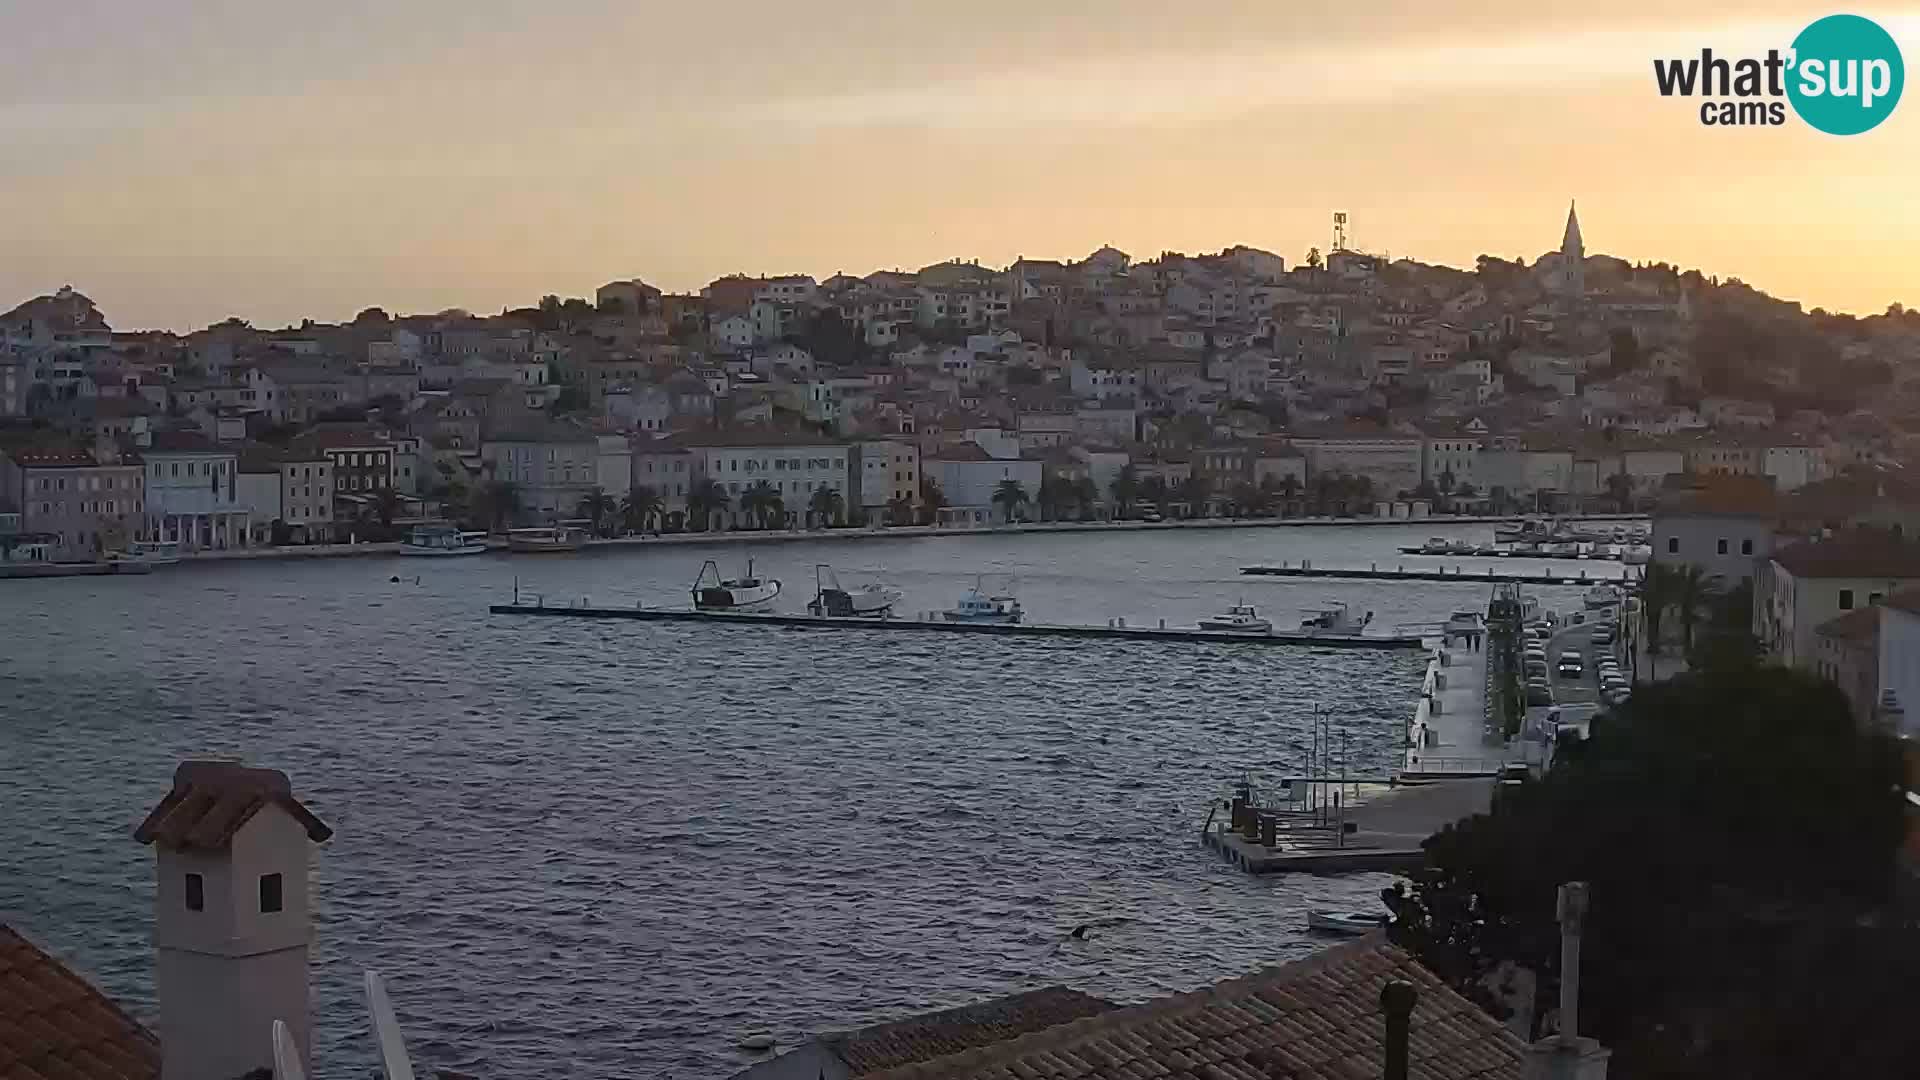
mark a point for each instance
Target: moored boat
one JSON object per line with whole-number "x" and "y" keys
{"x": 1334, "y": 618}
{"x": 870, "y": 600}
{"x": 1345, "y": 922}
{"x": 1238, "y": 619}
{"x": 977, "y": 607}
{"x": 546, "y": 539}
{"x": 441, "y": 541}
{"x": 748, "y": 592}
{"x": 149, "y": 553}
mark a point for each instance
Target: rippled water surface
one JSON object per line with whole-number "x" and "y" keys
{"x": 593, "y": 848}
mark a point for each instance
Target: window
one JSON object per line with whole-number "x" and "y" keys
{"x": 196, "y": 893}
{"x": 270, "y": 893}
{"x": 1746, "y": 547}
{"x": 1673, "y": 545}
{"x": 1846, "y": 599}
{"x": 1723, "y": 546}
{"x": 1873, "y": 599}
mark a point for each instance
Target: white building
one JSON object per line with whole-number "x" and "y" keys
{"x": 884, "y": 470}
{"x": 1728, "y": 534}
{"x": 733, "y": 332}
{"x": 193, "y": 492}
{"x": 1391, "y": 460}
{"x": 1899, "y": 659}
{"x": 551, "y": 466}
{"x": 968, "y": 477}
{"x": 1811, "y": 582}
{"x": 795, "y": 466}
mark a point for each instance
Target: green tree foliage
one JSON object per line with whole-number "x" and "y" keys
{"x": 1009, "y": 496}
{"x": 1723, "y": 820}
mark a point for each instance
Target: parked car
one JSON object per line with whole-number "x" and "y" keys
{"x": 1539, "y": 695}
{"x": 1535, "y": 667}
{"x": 1603, "y": 634}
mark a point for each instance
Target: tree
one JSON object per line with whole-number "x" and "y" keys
{"x": 641, "y": 508}
{"x": 1620, "y": 490}
{"x": 1658, "y": 588}
{"x": 1055, "y": 492}
{"x": 1195, "y": 491}
{"x": 932, "y": 499}
{"x": 1154, "y": 490}
{"x": 597, "y": 506}
{"x": 1290, "y": 487}
{"x": 1009, "y": 496}
{"x": 900, "y": 510}
{"x": 1085, "y": 495}
{"x": 762, "y": 502}
{"x": 826, "y": 506}
{"x": 502, "y": 501}
{"x": 706, "y": 499}
{"x": 1313, "y": 258}
{"x": 569, "y": 400}
{"x": 1693, "y": 587}
{"x": 1701, "y": 899}
{"x": 1624, "y": 350}
{"x": 1125, "y": 488}
{"x": 386, "y": 506}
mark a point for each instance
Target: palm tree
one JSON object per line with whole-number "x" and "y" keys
{"x": 641, "y": 507}
{"x": 826, "y": 505}
{"x": 1154, "y": 490}
{"x": 762, "y": 502}
{"x": 597, "y": 506}
{"x": 386, "y": 506}
{"x": 705, "y": 500}
{"x": 1248, "y": 499}
{"x": 900, "y": 510}
{"x": 1009, "y": 496}
{"x": 1124, "y": 489}
{"x": 1657, "y": 590}
{"x": 1195, "y": 491}
{"x": 503, "y": 502}
{"x": 1693, "y": 588}
{"x": 931, "y": 500}
{"x": 1290, "y": 488}
{"x": 1085, "y": 494}
{"x": 1620, "y": 490}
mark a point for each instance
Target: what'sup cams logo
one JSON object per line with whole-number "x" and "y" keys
{"x": 1843, "y": 75}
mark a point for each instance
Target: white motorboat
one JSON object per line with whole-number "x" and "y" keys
{"x": 150, "y": 553}
{"x": 1637, "y": 555}
{"x": 748, "y": 592}
{"x": 441, "y": 541}
{"x": 546, "y": 539}
{"x": 978, "y": 607}
{"x": 1239, "y": 619}
{"x": 1345, "y": 922}
{"x": 1603, "y": 596}
{"x": 830, "y": 598}
{"x": 1334, "y": 618}
{"x": 1464, "y": 621}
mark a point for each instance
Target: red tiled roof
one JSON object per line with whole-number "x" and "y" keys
{"x": 1728, "y": 496}
{"x": 211, "y": 800}
{"x": 54, "y": 1024}
{"x": 1317, "y": 1017}
{"x": 1861, "y": 624}
{"x": 952, "y": 1031}
{"x": 1857, "y": 553}
{"x": 1907, "y": 600}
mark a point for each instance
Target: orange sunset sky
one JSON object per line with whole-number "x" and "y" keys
{"x": 185, "y": 161}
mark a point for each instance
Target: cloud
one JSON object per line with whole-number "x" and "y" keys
{"x": 1147, "y": 89}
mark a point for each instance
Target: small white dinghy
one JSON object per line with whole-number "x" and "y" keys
{"x": 1345, "y": 922}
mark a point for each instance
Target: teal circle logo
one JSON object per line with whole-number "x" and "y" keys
{"x": 1847, "y": 74}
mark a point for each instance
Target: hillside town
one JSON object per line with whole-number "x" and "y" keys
{"x": 1226, "y": 384}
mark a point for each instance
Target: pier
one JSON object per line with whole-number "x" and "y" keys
{"x": 1441, "y": 573}
{"x": 1116, "y": 631}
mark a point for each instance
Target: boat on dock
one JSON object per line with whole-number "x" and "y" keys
{"x": 442, "y": 541}
{"x": 1345, "y": 922}
{"x": 1603, "y": 596}
{"x": 148, "y": 553}
{"x": 1238, "y": 619}
{"x": 748, "y": 592}
{"x": 546, "y": 539}
{"x": 871, "y": 600}
{"x": 1334, "y": 619}
{"x": 977, "y": 607}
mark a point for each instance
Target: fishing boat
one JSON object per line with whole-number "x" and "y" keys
{"x": 748, "y": 592}
{"x": 441, "y": 541}
{"x": 1239, "y": 619}
{"x": 149, "y": 553}
{"x": 871, "y": 600}
{"x": 977, "y": 607}
{"x": 546, "y": 539}
{"x": 1345, "y": 922}
{"x": 1334, "y": 618}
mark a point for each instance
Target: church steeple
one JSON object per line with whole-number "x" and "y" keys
{"x": 1570, "y": 245}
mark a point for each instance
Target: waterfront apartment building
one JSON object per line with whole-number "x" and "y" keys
{"x": 87, "y": 503}
{"x": 289, "y": 494}
{"x": 1391, "y": 460}
{"x": 1812, "y": 582}
{"x": 551, "y": 466}
{"x": 796, "y": 465}
{"x": 881, "y": 471}
{"x": 360, "y": 460}
{"x": 192, "y": 492}
{"x": 1725, "y": 529}
{"x": 968, "y": 477}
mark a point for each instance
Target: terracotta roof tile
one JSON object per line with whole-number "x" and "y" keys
{"x": 1317, "y": 1017}
{"x": 54, "y": 1026}
{"x": 1857, "y": 553}
{"x": 211, "y": 800}
{"x": 1861, "y": 624}
{"x": 932, "y": 1035}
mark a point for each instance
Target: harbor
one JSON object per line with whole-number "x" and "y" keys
{"x": 1118, "y": 630}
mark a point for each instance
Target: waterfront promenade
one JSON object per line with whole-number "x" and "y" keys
{"x": 902, "y": 532}
{"x": 1453, "y": 732}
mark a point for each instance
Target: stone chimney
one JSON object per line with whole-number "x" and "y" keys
{"x": 232, "y": 919}
{"x": 1565, "y": 1055}
{"x": 1397, "y": 999}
